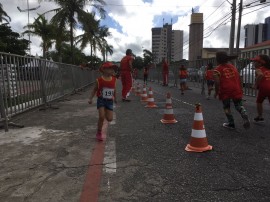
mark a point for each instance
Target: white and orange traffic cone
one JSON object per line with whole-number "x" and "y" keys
{"x": 138, "y": 90}
{"x": 168, "y": 116}
{"x": 133, "y": 89}
{"x": 198, "y": 141}
{"x": 144, "y": 97}
{"x": 150, "y": 100}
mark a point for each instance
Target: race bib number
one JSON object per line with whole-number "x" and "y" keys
{"x": 107, "y": 93}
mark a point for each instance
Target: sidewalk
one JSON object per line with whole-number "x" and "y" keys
{"x": 56, "y": 157}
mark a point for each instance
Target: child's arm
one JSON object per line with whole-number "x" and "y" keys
{"x": 93, "y": 93}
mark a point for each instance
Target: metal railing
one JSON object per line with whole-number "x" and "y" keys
{"x": 197, "y": 69}
{"x": 28, "y": 82}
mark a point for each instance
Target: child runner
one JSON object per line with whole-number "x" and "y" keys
{"x": 228, "y": 87}
{"x": 183, "y": 74}
{"x": 209, "y": 79}
{"x": 105, "y": 90}
{"x": 262, "y": 83}
{"x": 145, "y": 75}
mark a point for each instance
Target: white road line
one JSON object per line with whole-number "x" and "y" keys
{"x": 110, "y": 156}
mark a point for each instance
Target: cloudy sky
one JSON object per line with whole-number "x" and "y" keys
{"x": 130, "y": 21}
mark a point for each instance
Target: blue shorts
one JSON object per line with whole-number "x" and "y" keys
{"x": 182, "y": 81}
{"x": 107, "y": 103}
{"x": 210, "y": 82}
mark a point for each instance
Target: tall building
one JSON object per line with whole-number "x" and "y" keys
{"x": 257, "y": 33}
{"x": 195, "y": 36}
{"x": 167, "y": 43}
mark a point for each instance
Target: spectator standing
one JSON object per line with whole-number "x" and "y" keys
{"x": 165, "y": 72}
{"x": 209, "y": 79}
{"x": 262, "y": 83}
{"x": 183, "y": 74}
{"x": 105, "y": 90}
{"x": 228, "y": 87}
{"x": 145, "y": 74}
{"x": 126, "y": 77}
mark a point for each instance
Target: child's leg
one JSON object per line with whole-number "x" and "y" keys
{"x": 109, "y": 115}
{"x": 259, "y": 109}
{"x": 239, "y": 107}
{"x": 101, "y": 117}
{"x": 227, "y": 110}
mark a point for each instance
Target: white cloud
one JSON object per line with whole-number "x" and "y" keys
{"x": 136, "y": 19}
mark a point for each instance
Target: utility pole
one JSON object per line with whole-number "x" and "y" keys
{"x": 28, "y": 9}
{"x": 232, "y": 32}
{"x": 239, "y": 26}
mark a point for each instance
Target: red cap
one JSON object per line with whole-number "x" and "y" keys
{"x": 258, "y": 59}
{"x": 108, "y": 65}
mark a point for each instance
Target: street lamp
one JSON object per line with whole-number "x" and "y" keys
{"x": 24, "y": 10}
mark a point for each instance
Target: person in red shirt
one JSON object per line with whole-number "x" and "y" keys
{"x": 145, "y": 74}
{"x": 183, "y": 74}
{"x": 126, "y": 77}
{"x": 262, "y": 83}
{"x": 165, "y": 72}
{"x": 209, "y": 79}
{"x": 228, "y": 87}
{"x": 105, "y": 90}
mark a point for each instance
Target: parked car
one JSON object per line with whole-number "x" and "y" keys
{"x": 248, "y": 75}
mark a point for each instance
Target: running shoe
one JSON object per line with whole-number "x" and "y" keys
{"x": 229, "y": 125}
{"x": 258, "y": 120}
{"x": 99, "y": 136}
{"x": 246, "y": 123}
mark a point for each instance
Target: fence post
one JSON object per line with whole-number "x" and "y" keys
{"x": 2, "y": 110}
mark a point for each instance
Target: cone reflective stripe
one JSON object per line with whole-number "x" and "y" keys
{"x": 138, "y": 90}
{"x": 144, "y": 97}
{"x": 198, "y": 141}
{"x": 168, "y": 116}
{"x": 150, "y": 100}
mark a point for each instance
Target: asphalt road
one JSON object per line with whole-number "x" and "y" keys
{"x": 51, "y": 159}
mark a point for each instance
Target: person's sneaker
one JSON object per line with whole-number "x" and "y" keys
{"x": 258, "y": 120}
{"x": 228, "y": 125}
{"x": 246, "y": 123}
{"x": 99, "y": 136}
{"x": 126, "y": 100}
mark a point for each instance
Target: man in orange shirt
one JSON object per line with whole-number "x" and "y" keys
{"x": 126, "y": 77}
{"x": 165, "y": 72}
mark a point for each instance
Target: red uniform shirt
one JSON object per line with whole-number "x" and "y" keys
{"x": 145, "y": 71}
{"x": 209, "y": 75}
{"x": 183, "y": 74}
{"x": 230, "y": 85}
{"x": 265, "y": 81}
{"x": 124, "y": 65}
{"x": 106, "y": 87}
{"x": 165, "y": 67}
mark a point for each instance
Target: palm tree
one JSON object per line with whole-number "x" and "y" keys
{"x": 43, "y": 29}
{"x": 71, "y": 13}
{"x": 3, "y": 15}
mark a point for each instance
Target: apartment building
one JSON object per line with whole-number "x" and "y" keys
{"x": 167, "y": 43}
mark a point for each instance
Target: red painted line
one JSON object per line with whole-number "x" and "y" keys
{"x": 91, "y": 185}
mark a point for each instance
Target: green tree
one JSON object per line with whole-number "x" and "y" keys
{"x": 10, "y": 41}
{"x": 138, "y": 62}
{"x": 3, "y": 15}
{"x": 70, "y": 13}
{"x": 148, "y": 57}
{"x": 42, "y": 28}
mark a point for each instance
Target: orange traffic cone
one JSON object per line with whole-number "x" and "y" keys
{"x": 168, "y": 116}
{"x": 133, "y": 89}
{"x": 138, "y": 90}
{"x": 198, "y": 142}
{"x": 150, "y": 100}
{"x": 144, "y": 95}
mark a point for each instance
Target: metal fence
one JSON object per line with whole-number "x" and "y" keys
{"x": 196, "y": 70}
{"x": 28, "y": 82}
